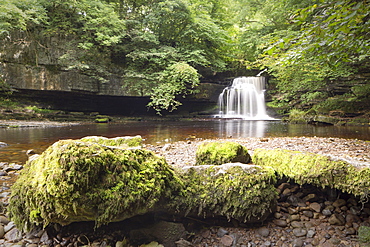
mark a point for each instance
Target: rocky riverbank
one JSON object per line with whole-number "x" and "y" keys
{"x": 305, "y": 216}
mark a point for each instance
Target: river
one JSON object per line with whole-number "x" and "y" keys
{"x": 20, "y": 140}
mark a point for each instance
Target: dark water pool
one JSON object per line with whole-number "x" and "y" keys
{"x": 22, "y": 139}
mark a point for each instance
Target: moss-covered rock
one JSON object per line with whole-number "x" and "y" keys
{"x": 318, "y": 170}
{"x": 123, "y": 141}
{"x": 364, "y": 234}
{"x": 234, "y": 190}
{"x": 217, "y": 153}
{"x": 82, "y": 180}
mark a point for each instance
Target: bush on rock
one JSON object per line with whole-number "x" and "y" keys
{"x": 218, "y": 153}
{"x": 82, "y": 180}
{"x": 234, "y": 190}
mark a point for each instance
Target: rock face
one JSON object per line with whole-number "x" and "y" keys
{"x": 217, "y": 153}
{"x": 92, "y": 179}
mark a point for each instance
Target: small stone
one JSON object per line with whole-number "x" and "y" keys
{"x": 308, "y": 214}
{"x": 221, "y": 232}
{"x": 310, "y": 233}
{"x": 350, "y": 231}
{"x": 336, "y": 219}
{"x": 297, "y": 224}
{"x": 299, "y": 232}
{"x": 2, "y": 231}
{"x": 183, "y": 243}
{"x": 278, "y": 215}
{"x": 326, "y": 212}
{"x": 294, "y": 217}
{"x": 4, "y": 220}
{"x": 263, "y": 231}
{"x": 267, "y": 243}
{"x": 9, "y": 226}
{"x": 13, "y": 235}
{"x": 339, "y": 203}
{"x": 3, "y": 173}
{"x": 280, "y": 222}
{"x": 351, "y": 218}
{"x": 227, "y": 240}
{"x": 297, "y": 242}
{"x": 335, "y": 241}
{"x": 310, "y": 198}
{"x": 315, "y": 207}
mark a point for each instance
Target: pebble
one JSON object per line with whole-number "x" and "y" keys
{"x": 263, "y": 231}
{"x": 227, "y": 240}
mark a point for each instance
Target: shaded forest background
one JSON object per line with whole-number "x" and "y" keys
{"x": 315, "y": 52}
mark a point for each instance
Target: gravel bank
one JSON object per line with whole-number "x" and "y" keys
{"x": 355, "y": 152}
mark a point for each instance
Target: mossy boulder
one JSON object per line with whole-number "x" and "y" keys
{"x": 122, "y": 141}
{"x": 218, "y": 153}
{"x": 318, "y": 170}
{"x": 234, "y": 190}
{"x": 83, "y": 180}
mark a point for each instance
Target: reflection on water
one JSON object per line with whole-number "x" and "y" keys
{"x": 22, "y": 139}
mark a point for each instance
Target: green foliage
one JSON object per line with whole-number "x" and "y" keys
{"x": 179, "y": 79}
{"x": 218, "y": 153}
{"x": 20, "y": 15}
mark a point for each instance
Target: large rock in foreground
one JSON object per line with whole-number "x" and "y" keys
{"x": 83, "y": 180}
{"x": 234, "y": 190}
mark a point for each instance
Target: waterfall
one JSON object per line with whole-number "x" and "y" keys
{"x": 245, "y": 99}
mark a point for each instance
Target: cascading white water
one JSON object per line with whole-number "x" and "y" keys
{"x": 245, "y": 99}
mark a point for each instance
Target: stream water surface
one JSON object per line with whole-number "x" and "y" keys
{"x": 20, "y": 140}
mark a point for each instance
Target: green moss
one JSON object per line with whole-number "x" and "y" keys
{"x": 125, "y": 141}
{"x": 86, "y": 181}
{"x": 102, "y": 120}
{"x": 238, "y": 191}
{"x": 319, "y": 170}
{"x": 217, "y": 153}
{"x": 364, "y": 234}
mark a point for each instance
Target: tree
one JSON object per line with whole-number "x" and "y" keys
{"x": 327, "y": 41}
{"x": 179, "y": 79}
